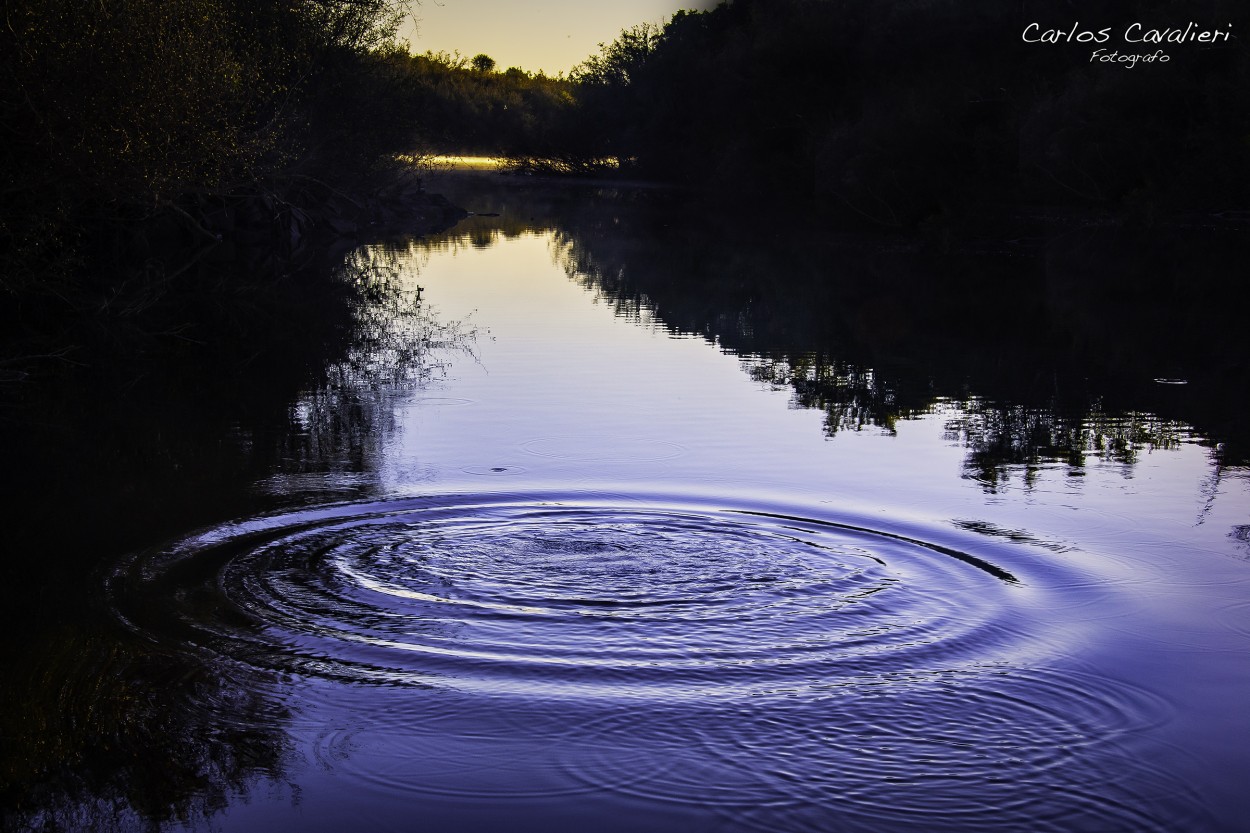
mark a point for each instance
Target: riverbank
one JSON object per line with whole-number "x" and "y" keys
{"x": 286, "y": 225}
{"x": 203, "y": 269}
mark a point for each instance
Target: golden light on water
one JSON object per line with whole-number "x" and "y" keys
{"x": 464, "y": 163}
{"x": 457, "y": 162}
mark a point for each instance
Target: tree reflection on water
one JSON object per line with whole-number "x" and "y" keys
{"x": 339, "y": 425}
{"x": 105, "y": 733}
{"x": 294, "y": 374}
{"x": 1054, "y": 346}
{"x": 1039, "y": 351}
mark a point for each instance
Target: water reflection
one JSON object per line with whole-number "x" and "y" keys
{"x": 289, "y": 384}
{"x": 413, "y": 588}
{"x": 1005, "y": 439}
{"x": 107, "y": 733}
{"x": 853, "y": 398}
{"x": 339, "y": 427}
{"x": 555, "y": 596}
{"x": 1034, "y": 339}
{"x": 774, "y": 670}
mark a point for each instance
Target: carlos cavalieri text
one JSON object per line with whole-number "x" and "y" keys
{"x": 1134, "y": 33}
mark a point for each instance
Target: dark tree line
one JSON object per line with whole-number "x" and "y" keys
{"x": 901, "y": 113}
{"x": 930, "y": 114}
{"x": 896, "y": 114}
{"x": 118, "y": 109}
{"x": 464, "y": 105}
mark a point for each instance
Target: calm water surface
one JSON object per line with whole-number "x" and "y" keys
{"x": 567, "y": 545}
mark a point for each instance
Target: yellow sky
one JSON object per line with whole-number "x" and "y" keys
{"x": 551, "y": 36}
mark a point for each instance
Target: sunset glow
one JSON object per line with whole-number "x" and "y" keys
{"x": 553, "y": 37}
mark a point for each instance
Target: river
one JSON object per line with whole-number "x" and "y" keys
{"x": 601, "y": 512}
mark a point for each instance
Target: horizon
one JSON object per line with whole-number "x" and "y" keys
{"x": 564, "y": 35}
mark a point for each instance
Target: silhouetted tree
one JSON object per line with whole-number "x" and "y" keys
{"x": 934, "y": 112}
{"x": 119, "y": 108}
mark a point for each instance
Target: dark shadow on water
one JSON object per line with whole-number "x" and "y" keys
{"x": 104, "y": 732}
{"x": 1052, "y": 340}
{"x": 210, "y": 406}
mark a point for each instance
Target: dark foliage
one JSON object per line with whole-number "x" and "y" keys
{"x": 116, "y": 112}
{"x": 905, "y": 113}
{"x": 154, "y": 428}
{"x": 465, "y": 106}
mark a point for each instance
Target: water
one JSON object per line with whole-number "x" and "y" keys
{"x": 588, "y": 529}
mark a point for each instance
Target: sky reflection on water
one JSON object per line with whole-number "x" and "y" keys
{"x": 611, "y": 552}
{"x": 576, "y": 390}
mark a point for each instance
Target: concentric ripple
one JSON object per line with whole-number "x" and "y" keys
{"x": 578, "y": 599}
{"x": 776, "y": 669}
